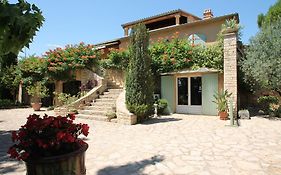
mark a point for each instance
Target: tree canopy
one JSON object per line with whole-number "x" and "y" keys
{"x": 262, "y": 64}
{"x": 271, "y": 16}
{"x": 18, "y": 25}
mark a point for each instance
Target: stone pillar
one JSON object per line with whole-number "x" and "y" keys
{"x": 177, "y": 19}
{"x": 58, "y": 89}
{"x": 126, "y": 31}
{"x": 230, "y": 65}
{"x": 20, "y": 93}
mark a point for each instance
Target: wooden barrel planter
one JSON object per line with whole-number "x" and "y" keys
{"x": 68, "y": 164}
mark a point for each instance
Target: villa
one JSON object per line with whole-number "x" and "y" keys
{"x": 187, "y": 91}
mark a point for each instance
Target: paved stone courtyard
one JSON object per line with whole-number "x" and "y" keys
{"x": 176, "y": 144}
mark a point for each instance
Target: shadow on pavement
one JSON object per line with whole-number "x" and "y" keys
{"x": 160, "y": 120}
{"x": 7, "y": 165}
{"x": 131, "y": 168}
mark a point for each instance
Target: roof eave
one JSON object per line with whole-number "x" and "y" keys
{"x": 158, "y": 16}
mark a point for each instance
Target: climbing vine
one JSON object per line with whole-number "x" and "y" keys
{"x": 61, "y": 61}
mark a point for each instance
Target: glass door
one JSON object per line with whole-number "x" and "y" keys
{"x": 182, "y": 95}
{"x": 189, "y": 95}
{"x": 196, "y": 90}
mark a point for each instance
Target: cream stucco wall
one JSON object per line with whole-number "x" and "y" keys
{"x": 209, "y": 28}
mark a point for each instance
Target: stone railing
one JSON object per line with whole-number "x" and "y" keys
{"x": 91, "y": 95}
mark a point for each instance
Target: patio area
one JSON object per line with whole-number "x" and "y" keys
{"x": 176, "y": 144}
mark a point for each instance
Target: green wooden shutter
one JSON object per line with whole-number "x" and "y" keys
{"x": 168, "y": 91}
{"x": 209, "y": 88}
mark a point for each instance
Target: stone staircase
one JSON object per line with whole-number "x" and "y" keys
{"x": 103, "y": 108}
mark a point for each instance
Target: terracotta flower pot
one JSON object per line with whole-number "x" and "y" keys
{"x": 72, "y": 163}
{"x": 36, "y": 106}
{"x": 223, "y": 115}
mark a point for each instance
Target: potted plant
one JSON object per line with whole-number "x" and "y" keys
{"x": 230, "y": 25}
{"x": 50, "y": 145}
{"x": 37, "y": 91}
{"x": 221, "y": 101}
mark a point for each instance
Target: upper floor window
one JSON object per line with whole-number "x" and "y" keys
{"x": 197, "y": 39}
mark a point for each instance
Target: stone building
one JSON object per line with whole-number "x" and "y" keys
{"x": 189, "y": 91}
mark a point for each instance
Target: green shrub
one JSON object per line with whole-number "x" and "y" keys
{"x": 139, "y": 82}
{"x": 277, "y": 112}
{"x": 5, "y": 103}
{"x": 37, "y": 91}
{"x": 116, "y": 59}
{"x": 162, "y": 105}
{"x": 177, "y": 54}
{"x": 142, "y": 111}
{"x": 221, "y": 100}
{"x": 61, "y": 62}
{"x": 66, "y": 99}
{"x": 110, "y": 114}
{"x": 266, "y": 102}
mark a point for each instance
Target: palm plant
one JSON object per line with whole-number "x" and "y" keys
{"x": 221, "y": 100}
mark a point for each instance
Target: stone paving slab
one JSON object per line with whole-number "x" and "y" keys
{"x": 176, "y": 144}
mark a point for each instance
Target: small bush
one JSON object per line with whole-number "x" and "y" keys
{"x": 142, "y": 111}
{"x": 162, "y": 105}
{"x": 266, "y": 102}
{"x": 66, "y": 99}
{"x": 5, "y": 103}
{"x": 277, "y": 112}
{"x": 110, "y": 114}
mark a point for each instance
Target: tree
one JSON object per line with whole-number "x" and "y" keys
{"x": 18, "y": 25}
{"x": 262, "y": 64}
{"x": 139, "y": 83}
{"x": 271, "y": 16}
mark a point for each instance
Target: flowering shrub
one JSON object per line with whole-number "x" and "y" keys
{"x": 117, "y": 59}
{"x": 176, "y": 54}
{"x": 171, "y": 55}
{"x": 47, "y": 136}
{"x": 61, "y": 61}
{"x": 32, "y": 69}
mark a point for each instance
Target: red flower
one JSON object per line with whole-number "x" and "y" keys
{"x": 46, "y": 136}
{"x": 22, "y": 134}
{"x": 68, "y": 138}
{"x": 14, "y": 136}
{"x": 24, "y": 155}
{"x": 60, "y": 135}
{"x": 13, "y": 152}
{"x": 71, "y": 116}
{"x": 85, "y": 129}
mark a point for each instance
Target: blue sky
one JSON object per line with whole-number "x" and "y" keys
{"x": 93, "y": 21}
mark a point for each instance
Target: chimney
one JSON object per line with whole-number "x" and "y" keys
{"x": 208, "y": 14}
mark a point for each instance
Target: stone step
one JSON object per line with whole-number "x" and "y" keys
{"x": 109, "y": 95}
{"x": 113, "y": 87}
{"x": 98, "y": 108}
{"x": 92, "y": 112}
{"x": 114, "y": 120}
{"x": 110, "y": 100}
{"x": 93, "y": 117}
{"x": 115, "y": 90}
{"x": 100, "y": 103}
